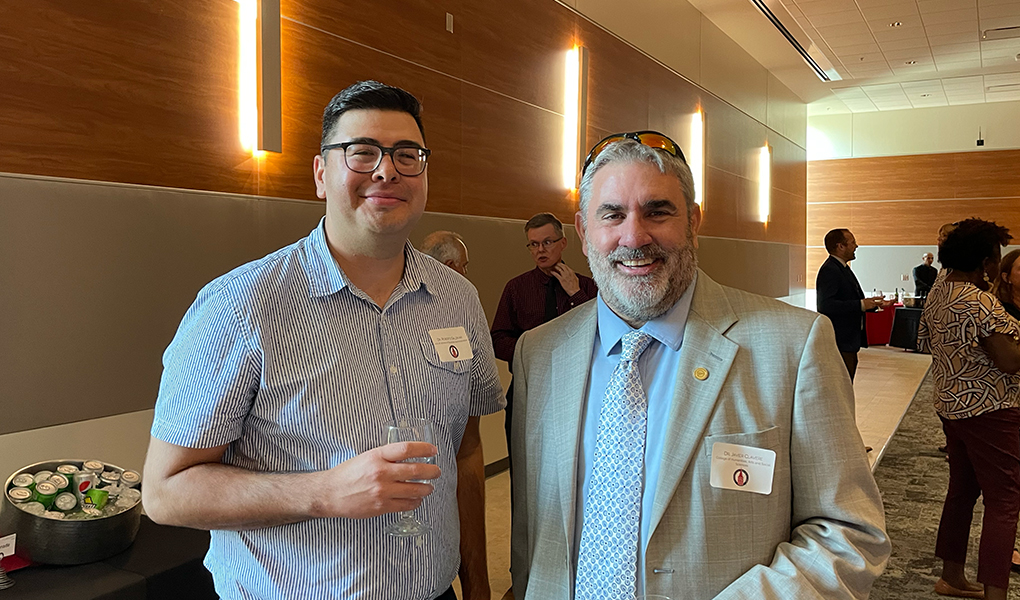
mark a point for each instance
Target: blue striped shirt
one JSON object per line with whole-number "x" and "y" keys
{"x": 297, "y": 370}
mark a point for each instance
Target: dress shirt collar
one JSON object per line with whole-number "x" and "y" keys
{"x": 667, "y": 329}
{"x": 840, "y": 260}
{"x": 325, "y": 276}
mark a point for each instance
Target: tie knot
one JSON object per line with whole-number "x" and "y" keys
{"x": 634, "y": 343}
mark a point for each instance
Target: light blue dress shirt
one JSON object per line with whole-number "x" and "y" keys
{"x": 658, "y": 367}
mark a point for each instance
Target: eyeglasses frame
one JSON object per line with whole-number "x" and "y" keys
{"x": 383, "y": 151}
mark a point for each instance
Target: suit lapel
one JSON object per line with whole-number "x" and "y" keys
{"x": 694, "y": 399}
{"x": 571, "y": 366}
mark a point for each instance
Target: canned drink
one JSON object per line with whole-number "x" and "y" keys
{"x": 68, "y": 470}
{"x": 61, "y": 481}
{"x": 131, "y": 495}
{"x": 19, "y": 495}
{"x": 24, "y": 481}
{"x": 110, "y": 478}
{"x": 92, "y": 511}
{"x": 34, "y": 508}
{"x": 65, "y": 502}
{"x": 93, "y": 466}
{"x": 96, "y": 498}
{"x": 52, "y": 514}
{"x": 42, "y": 476}
{"x": 45, "y": 493}
{"x": 129, "y": 479}
{"x": 83, "y": 482}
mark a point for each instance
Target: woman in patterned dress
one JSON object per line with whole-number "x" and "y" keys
{"x": 975, "y": 361}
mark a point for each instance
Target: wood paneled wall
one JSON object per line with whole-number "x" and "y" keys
{"x": 145, "y": 92}
{"x": 903, "y": 200}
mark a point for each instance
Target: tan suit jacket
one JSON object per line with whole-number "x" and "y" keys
{"x": 775, "y": 380}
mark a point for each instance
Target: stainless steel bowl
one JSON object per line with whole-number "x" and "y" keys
{"x": 54, "y": 542}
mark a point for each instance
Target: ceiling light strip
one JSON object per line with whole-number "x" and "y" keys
{"x": 765, "y": 10}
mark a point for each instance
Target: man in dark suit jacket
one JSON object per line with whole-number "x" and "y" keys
{"x": 925, "y": 274}
{"x": 841, "y": 298}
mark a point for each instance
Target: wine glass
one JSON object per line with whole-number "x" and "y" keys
{"x": 880, "y": 296}
{"x": 410, "y": 430}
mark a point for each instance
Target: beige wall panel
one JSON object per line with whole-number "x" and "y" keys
{"x": 97, "y": 278}
{"x": 786, "y": 113}
{"x": 758, "y": 267}
{"x": 729, "y": 71}
{"x": 830, "y": 136}
{"x": 915, "y": 131}
{"x": 669, "y": 30}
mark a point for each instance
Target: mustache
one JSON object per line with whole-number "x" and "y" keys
{"x": 652, "y": 251}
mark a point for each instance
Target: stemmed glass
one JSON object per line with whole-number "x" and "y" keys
{"x": 410, "y": 430}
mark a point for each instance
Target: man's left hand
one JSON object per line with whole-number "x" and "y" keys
{"x": 568, "y": 278}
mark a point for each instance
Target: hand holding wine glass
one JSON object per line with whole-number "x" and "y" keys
{"x": 410, "y": 430}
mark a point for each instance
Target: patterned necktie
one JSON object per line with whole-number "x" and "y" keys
{"x": 607, "y": 559}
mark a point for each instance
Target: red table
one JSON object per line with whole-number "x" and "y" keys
{"x": 879, "y": 325}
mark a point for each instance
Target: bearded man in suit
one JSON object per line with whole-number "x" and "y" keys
{"x": 839, "y": 296}
{"x": 679, "y": 437}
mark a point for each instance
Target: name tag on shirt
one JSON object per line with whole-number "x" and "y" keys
{"x": 451, "y": 344}
{"x": 742, "y": 468}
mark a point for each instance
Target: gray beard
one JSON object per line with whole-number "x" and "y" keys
{"x": 641, "y": 299}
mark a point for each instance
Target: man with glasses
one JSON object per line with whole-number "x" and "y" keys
{"x": 269, "y": 426}
{"x": 538, "y": 296}
{"x": 678, "y": 438}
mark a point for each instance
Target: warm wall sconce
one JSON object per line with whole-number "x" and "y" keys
{"x": 259, "y": 110}
{"x": 696, "y": 155}
{"x": 764, "y": 183}
{"x": 575, "y": 102}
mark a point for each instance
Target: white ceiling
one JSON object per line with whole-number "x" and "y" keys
{"x": 891, "y": 54}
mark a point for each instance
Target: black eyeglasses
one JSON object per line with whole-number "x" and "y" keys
{"x": 544, "y": 244}
{"x": 652, "y": 139}
{"x": 365, "y": 157}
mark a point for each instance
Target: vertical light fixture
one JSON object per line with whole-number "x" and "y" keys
{"x": 259, "y": 97}
{"x": 697, "y": 155}
{"x": 575, "y": 101}
{"x": 764, "y": 183}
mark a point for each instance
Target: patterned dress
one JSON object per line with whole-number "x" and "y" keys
{"x": 956, "y": 317}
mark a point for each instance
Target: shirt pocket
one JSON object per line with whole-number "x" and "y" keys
{"x": 766, "y": 438}
{"x": 458, "y": 367}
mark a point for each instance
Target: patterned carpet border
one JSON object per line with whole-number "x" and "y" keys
{"x": 913, "y": 476}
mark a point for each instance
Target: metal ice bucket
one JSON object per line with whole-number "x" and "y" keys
{"x": 55, "y": 542}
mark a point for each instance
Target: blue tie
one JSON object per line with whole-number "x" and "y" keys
{"x": 607, "y": 559}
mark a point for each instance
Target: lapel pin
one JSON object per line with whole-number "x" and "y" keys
{"x": 701, "y": 373}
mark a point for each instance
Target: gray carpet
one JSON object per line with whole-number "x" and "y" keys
{"x": 913, "y": 477}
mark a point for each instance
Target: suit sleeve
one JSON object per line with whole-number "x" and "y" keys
{"x": 520, "y": 542}
{"x": 827, "y": 290}
{"x": 505, "y": 329}
{"x": 838, "y": 545}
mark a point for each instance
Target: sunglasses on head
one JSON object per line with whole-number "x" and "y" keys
{"x": 652, "y": 139}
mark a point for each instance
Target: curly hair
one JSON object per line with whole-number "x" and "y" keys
{"x": 974, "y": 241}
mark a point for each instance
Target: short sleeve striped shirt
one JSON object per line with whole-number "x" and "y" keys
{"x": 297, "y": 370}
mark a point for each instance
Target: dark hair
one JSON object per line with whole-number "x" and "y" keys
{"x": 369, "y": 95}
{"x": 1003, "y": 290}
{"x": 974, "y": 241}
{"x": 543, "y": 219}
{"x": 835, "y": 238}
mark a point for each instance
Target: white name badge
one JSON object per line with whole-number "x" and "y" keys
{"x": 451, "y": 344}
{"x": 742, "y": 468}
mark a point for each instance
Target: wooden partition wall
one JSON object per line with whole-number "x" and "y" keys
{"x": 903, "y": 200}
{"x": 146, "y": 92}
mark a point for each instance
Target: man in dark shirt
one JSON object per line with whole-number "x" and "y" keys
{"x": 925, "y": 274}
{"x": 540, "y": 295}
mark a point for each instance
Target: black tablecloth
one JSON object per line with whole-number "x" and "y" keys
{"x": 164, "y": 563}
